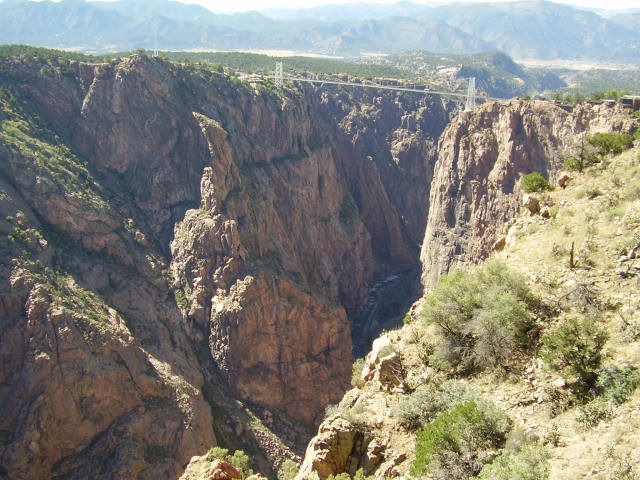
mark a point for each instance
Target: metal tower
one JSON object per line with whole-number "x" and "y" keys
{"x": 279, "y": 77}
{"x": 155, "y": 38}
{"x": 470, "y": 104}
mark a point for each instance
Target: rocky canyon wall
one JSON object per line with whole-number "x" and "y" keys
{"x": 481, "y": 157}
{"x": 302, "y": 210}
{"x": 169, "y": 233}
{"x": 475, "y": 192}
{"x": 97, "y": 375}
{"x": 166, "y": 228}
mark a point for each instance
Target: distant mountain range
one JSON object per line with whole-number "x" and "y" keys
{"x": 537, "y": 30}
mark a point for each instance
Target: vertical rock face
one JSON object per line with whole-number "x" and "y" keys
{"x": 295, "y": 223}
{"x": 280, "y": 347}
{"x": 81, "y": 395}
{"x": 481, "y": 157}
{"x": 97, "y": 377}
{"x": 272, "y": 213}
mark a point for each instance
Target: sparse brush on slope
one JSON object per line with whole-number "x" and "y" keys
{"x": 575, "y": 349}
{"x": 460, "y": 441}
{"x": 484, "y": 317}
{"x": 535, "y": 182}
{"x": 593, "y": 148}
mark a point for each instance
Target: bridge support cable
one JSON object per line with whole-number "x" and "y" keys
{"x": 470, "y": 96}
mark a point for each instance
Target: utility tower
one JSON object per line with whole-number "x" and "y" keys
{"x": 470, "y": 104}
{"x": 279, "y": 77}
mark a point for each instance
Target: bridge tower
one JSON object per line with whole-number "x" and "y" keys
{"x": 155, "y": 40}
{"x": 279, "y": 76}
{"x": 470, "y": 104}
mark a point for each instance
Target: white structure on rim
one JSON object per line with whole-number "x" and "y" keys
{"x": 279, "y": 75}
{"x": 470, "y": 104}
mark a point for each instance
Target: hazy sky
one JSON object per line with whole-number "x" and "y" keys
{"x": 245, "y": 5}
{"x": 227, "y": 6}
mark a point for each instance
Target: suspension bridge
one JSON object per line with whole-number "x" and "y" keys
{"x": 470, "y": 96}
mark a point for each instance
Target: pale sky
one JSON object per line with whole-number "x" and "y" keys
{"x": 246, "y": 5}
{"x": 229, "y": 6}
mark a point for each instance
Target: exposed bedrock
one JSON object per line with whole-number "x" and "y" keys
{"x": 481, "y": 157}
{"x": 167, "y": 228}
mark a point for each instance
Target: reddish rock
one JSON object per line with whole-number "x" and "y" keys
{"x": 329, "y": 451}
{"x": 221, "y": 470}
{"x": 531, "y": 203}
{"x": 481, "y": 156}
{"x": 563, "y": 180}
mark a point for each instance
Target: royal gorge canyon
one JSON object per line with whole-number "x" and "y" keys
{"x": 184, "y": 255}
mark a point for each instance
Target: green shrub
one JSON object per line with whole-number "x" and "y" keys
{"x": 534, "y": 182}
{"x": 359, "y": 475}
{"x": 217, "y": 453}
{"x": 593, "y": 148}
{"x": 610, "y": 143}
{"x": 575, "y": 350}
{"x": 426, "y": 402}
{"x": 417, "y": 409}
{"x": 484, "y": 316}
{"x": 238, "y": 459}
{"x": 356, "y": 371}
{"x": 529, "y": 463}
{"x": 181, "y": 299}
{"x": 585, "y": 155}
{"x": 591, "y": 414}
{"x": 348, "y": 211}
{"x": 592, "y": 193}
{"x": 288, "y": 470}
{"x": 572, "y": 164}
{"x": 456, "y": 444}
{"x": 339, "y": 476}
{"x": 617, "y": 384}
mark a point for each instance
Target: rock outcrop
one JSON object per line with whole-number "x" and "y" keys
{"x": 97, "y": 375}
{"x": 272, "y": 212}
{"x": 90, "y": 381}
{"x": 299, "y": 215}
{"x": 167, "y": 232}
{"x": 328, "y": 452}
{"x": 481, "y": 157}
{"x": 357, "y": 437}
{"x": 475, "y": 192}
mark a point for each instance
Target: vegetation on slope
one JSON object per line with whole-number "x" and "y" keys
{"x": 593, "y": 80}
{"x": 483, "y": 318}
{"x": 258, "y": 63}
{"x": 527, "y": 366}
{"x": 579, "y": 309}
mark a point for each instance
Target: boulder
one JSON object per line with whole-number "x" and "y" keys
{"x": 531, "y": 203}
{"x": 329, "y": 451}
{"x": 221, "y": 470}
{"x": 564, "y": 180}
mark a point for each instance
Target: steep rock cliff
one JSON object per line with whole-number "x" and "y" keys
{"x": 97, "y": 376}
{"x": 296, "y": 221}
{"x": 481, "y": 157}
{"x": 273, "y": 212}
{"x": 374, "y": 426}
